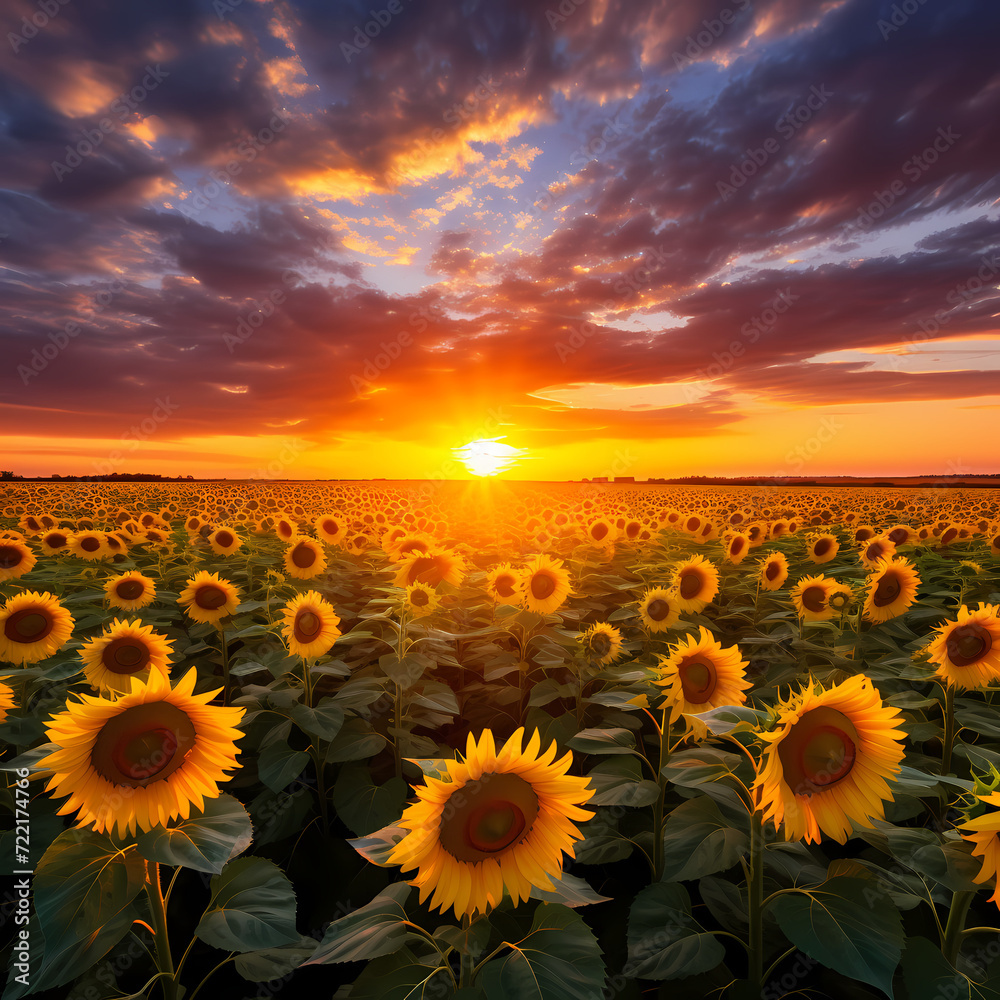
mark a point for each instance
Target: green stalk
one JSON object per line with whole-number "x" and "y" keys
{"x": 658, "y": 805}
{"x": 225, "y": 664}
{"x": 949, "y": 727}
{"x": 158, "y": 909}
{"x": 755, "y": 888}
{"x": 952, "y": 942}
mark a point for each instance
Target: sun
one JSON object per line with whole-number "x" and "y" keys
{"x": 487, "y": 456}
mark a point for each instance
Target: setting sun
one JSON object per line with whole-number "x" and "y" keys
{"x": 488, "y": 456}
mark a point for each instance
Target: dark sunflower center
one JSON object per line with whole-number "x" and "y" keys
{"x": 224, "y": 538}
{"x": 129, "y": 590}
{"x": 331, "y": 527}
{"x": 543, "y": 585}
{"x": 698, "y": 680}
{"x": 690, "y": 585}
{"x": 56, "y": 540}
{"x": 125, "y": 656}
{"x": 28, "y": 625}
{"x": 898, "y": 535}
{"x": 968, "y": 644}
{"x": 600, "y": 644}
{"x": 90, "y": 544}
{"x": 658, "y": 609}
{"x": 814, "y": 599}
{"x": 425, "y": 569}
{"x": 419, "y": 598}
{"x": 632, "y": 529}
{"x": 818, "y": 751}
{"x": 886, "y": 592}
{"x": 307, "y": 626}
{"x": 950, "y": 535}
{"x": 838, "y": 600}
{"x": 772, "y": 570}
{"x": 303, "y": 556}
{"x": 10, "y": 556}
{"x": 143, "y": 744}
{"x": 210, "y": 597}
{"x": 737, "y": 546}
{"x": 504, "y": 585}
{"x": 488, "y": 816}
{"x": 598, "y": 531}
{"x": 822, "y": 547}
{"x": 693, "y": 523}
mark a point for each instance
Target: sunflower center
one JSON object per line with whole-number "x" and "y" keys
{"x": 488, "y": 816}
{"x": 874, "y": 551}
{"x": 90, "y": 544}
{"x": 632, "y": 529}
{"x": 56, "y": 540}
{"x": 129, "y": 590}
{"x": 9, "y": 556}
{"x": 307, "y": 626}
{"x": 886, "y": 592}
{"x": 224, "y": 538}
{"x": 968, "y": 644}
{"x": 818, "y": 751}
{"x": 772, "y": 570}
{"x": 658, "y": 609}
{"x": 28, "y": 625}
{"x": 303, "y": 556}
{"x": 331, "y": 527}
{"x": 209, "y": 597}
{"x": 898, "y": 535}
{"x": 736, "y": 546}
{"x": 542, "y": 586}
{"x": 690, "y": 584}
{"x": 693, "y": 523}
{"x": 125, "y": 655}
{"x": 424, "y": 570}
{"x": 419, "y": 598}
{"x": 838, "y": 600}
{"x": 598, "y": 531}
{"x": 814, "y": 599}
{"x": 600, "y": 644}
{"x": 698, "y": 680}
{"x": 504, "y": 585}
{"x": 144, "y": 743}
{"x": 822, "y": 547}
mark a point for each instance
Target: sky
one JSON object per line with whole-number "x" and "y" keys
{"x": 331, "y": 240}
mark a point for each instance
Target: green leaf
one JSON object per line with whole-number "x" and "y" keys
{"x": 376, "y": 929}
{"x": 855, "y": 932}
{"x": 403, "y": 976}
{"x": 274, "y": 963}
{"x": 603, "y": 741}
{"x": 82, "y": 891}
{"x": 929, "y": 976}
{"x": 279, "y": 765}
{"x": 365, "y": 806}
{"x": 619, "y": 783}
{"x": 252, "y": 906}
{"x": 559, "y": 959}
{"x": 323, "y": 722}
{"x": 664, "y": 940}
{"x": 205, "y": 841}
{"x": 697, "y": 841}
{"x": 979, "y": 718}
{"x": 570, "y": 891}
{"x": 377, "y": 846}
{"x": 355, "y": 741}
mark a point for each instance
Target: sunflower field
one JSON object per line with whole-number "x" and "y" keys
{"x": 391, "y": 741}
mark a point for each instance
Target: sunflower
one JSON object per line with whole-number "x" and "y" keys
{"x": 16, "y": 559}
{"x": 310, "y": 625}
{"x": 304, "y": 558}
{"x": 330, "y": 528}
{"x": 811, "y": 597}
{"x": 55, "y": 541}
{"x": 224, "y": 542}
{"x": 967, "y": 650}
{"x": 995, "y": 544}
{"x": 501, "y": 584}
{"x": 696, "y": 582}
{"x": 209, "y": 598}
{"x": 130, "y": 591}
{"x": 700, "y": 675}
{"x": 984, "y": 834}
{"x": 840, "y": 597}
{"x": 7, "y": 701}
{"x": 601, "y": 532}
{"x": 89, "y": 545}
{"x": 543, "y": 585}
{"x": 33, "y": 626}
{"x": 144, "y": 758}
{"x": 285, "y": 529}
{"x": 822, "y": 548}
{"x": 437, "y": 565}
{"x": 420, "y": 600}
{"x": 892, "y": 588}
{"x": 125, "y": 650}
{"x": 493, "y": 822}
{"x": 602, "y": 642}
{"x": 737, "y": 546}
{"x": 773, "y": 570}
{"x": 659, "y": 609}
{"x": 874, "y": 550}
{"x": 411, "y": 543}
{"x": 828, "y": 763}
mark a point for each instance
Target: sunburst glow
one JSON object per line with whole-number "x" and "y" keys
{"x": 488, "y": 456}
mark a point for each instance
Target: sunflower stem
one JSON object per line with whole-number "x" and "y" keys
{"x": 952, "y": 942}
{"x": 158, "y": 909}
{"x": 658, "y": 806}
{"x": 949, "y": 728}
{"x": 307, "y": 681}
{"x": 224, "y": 643}
{"x": 466, "y": 960}
{"x": 755, "y": 892}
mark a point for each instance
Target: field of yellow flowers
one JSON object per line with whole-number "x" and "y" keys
{"x": 389, "y": 741}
